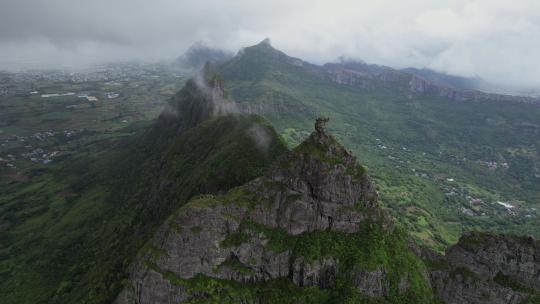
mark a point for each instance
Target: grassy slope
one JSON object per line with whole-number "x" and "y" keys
{"x": 443, "y": 139}
{"x": 74, "y": 229}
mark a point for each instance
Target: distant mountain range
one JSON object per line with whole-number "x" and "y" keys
{"x": 355, "y": 72}
{"x": 406, "y": 125}
{"x": 211, "y": 204}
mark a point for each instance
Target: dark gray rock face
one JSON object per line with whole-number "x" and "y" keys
{"x": 487, "y": 255}
{"x": 368, "y": 76}
{"x": 422, "y": 86}
{"x": 363, "y": 75}
{"x": 372, "y": 283}
{"x": 457, "y": 288}
{"x": 316, "y": 188}
{"x": 486, "y": 268}
{"x": 319, "y": 273}
{"x": 319, "y": 186}
{"x": 316, "y": 195}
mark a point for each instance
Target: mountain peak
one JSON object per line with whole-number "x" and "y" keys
{"x": 324, "y": 168}
{"x": 320, "y": 126}
{"x": 324, "y": 143}
{"x": 311, "y": 222}
{"x": 265, "y": 42}
{"x": 255, "y": 62}
{"x": 266, "y": 46}
{"x": 202, "y": 97}
{"x": 200, "y": 53}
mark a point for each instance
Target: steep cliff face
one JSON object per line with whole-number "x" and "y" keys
{"x": 487, "y": 268}
{"x": 199, "y": 144}
{"x": 109, "y": 201}
{"x": 363, "y": 75}
{"x": 202, "y": 97}
{"x": 422, "y": 86}
{"x": 309, "y": 229}
{"x": 368, "y": 76}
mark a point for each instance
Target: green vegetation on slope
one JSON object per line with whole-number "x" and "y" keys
{"x": 440, "y": 165}
{"x": 372, "y": 248}
{"x": 93, "y": 211}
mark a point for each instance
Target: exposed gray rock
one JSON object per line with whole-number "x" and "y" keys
{"x": 422, "y": 86}
{"x": 485, "y": 268}
{"x": 320, "y": 273}
{"x": 319, "y": 186}
{"x": 151, "y": 287}
{"x": 457, "y": 288}
{"x": 372, "y": 283}
{"x": 487, "y": 255}
{"x": 363, "y": 75}
{"x": 369, "y": 76}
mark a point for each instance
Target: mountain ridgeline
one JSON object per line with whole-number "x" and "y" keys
{"x": 442, "y": 156}
{"x": 310, "y": 230}
{"x": 212, "y": 203}
{"x": 80, "y": 253}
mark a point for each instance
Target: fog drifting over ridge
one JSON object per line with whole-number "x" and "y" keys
{"x": 496, "y": 40}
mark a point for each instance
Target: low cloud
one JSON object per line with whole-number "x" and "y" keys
{"x": 494, "y": 39}
{"x": 260, "y": 137}
{"x": 215, "y": 93}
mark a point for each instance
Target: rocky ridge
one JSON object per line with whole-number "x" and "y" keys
{"x": 312, "y": 219}
{"x": 311, "y": 230}
{"x": 368, "y": 76}
{"x": 420, "y": 85}
{"x": 487, "y": 268}
{"x": 362, "y": 75}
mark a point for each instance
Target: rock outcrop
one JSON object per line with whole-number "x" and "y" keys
{"x": 296, "y": 222}
{"x": 425, "y": 87}
{"x": 486, "y": 268}
{"x": 202, "y": 97}
{"x": 363, "y": 75}
{"x": 312, "y": 224}
{"x": 369, "y": 76}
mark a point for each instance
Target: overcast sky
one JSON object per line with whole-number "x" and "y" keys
{"x": 496, "y": 40}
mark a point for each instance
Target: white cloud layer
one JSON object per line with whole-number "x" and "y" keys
{"x": 494, "y": 39}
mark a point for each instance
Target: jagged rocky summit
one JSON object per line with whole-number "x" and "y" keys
{"x": 311, "y": 222}
{"x": 310, "y": 230}
{"x": 486, "y": 268}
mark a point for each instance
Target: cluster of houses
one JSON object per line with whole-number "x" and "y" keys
{"x": 33, "y": 154}
{"x": 39, "y": 155}
{"x": 8, "y": 161}
{"x": 70, "y": 133}
{"x": 470, "y": 205}
{"x": 473, "y": 206}
{"x": 112, "y": 95}
{"x": 88, "y": 97}
{"x": 493, "y": 165}
{"x": 43, "y": 135}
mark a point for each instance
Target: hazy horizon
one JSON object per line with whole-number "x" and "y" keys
{"x": 494, "y": 40}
